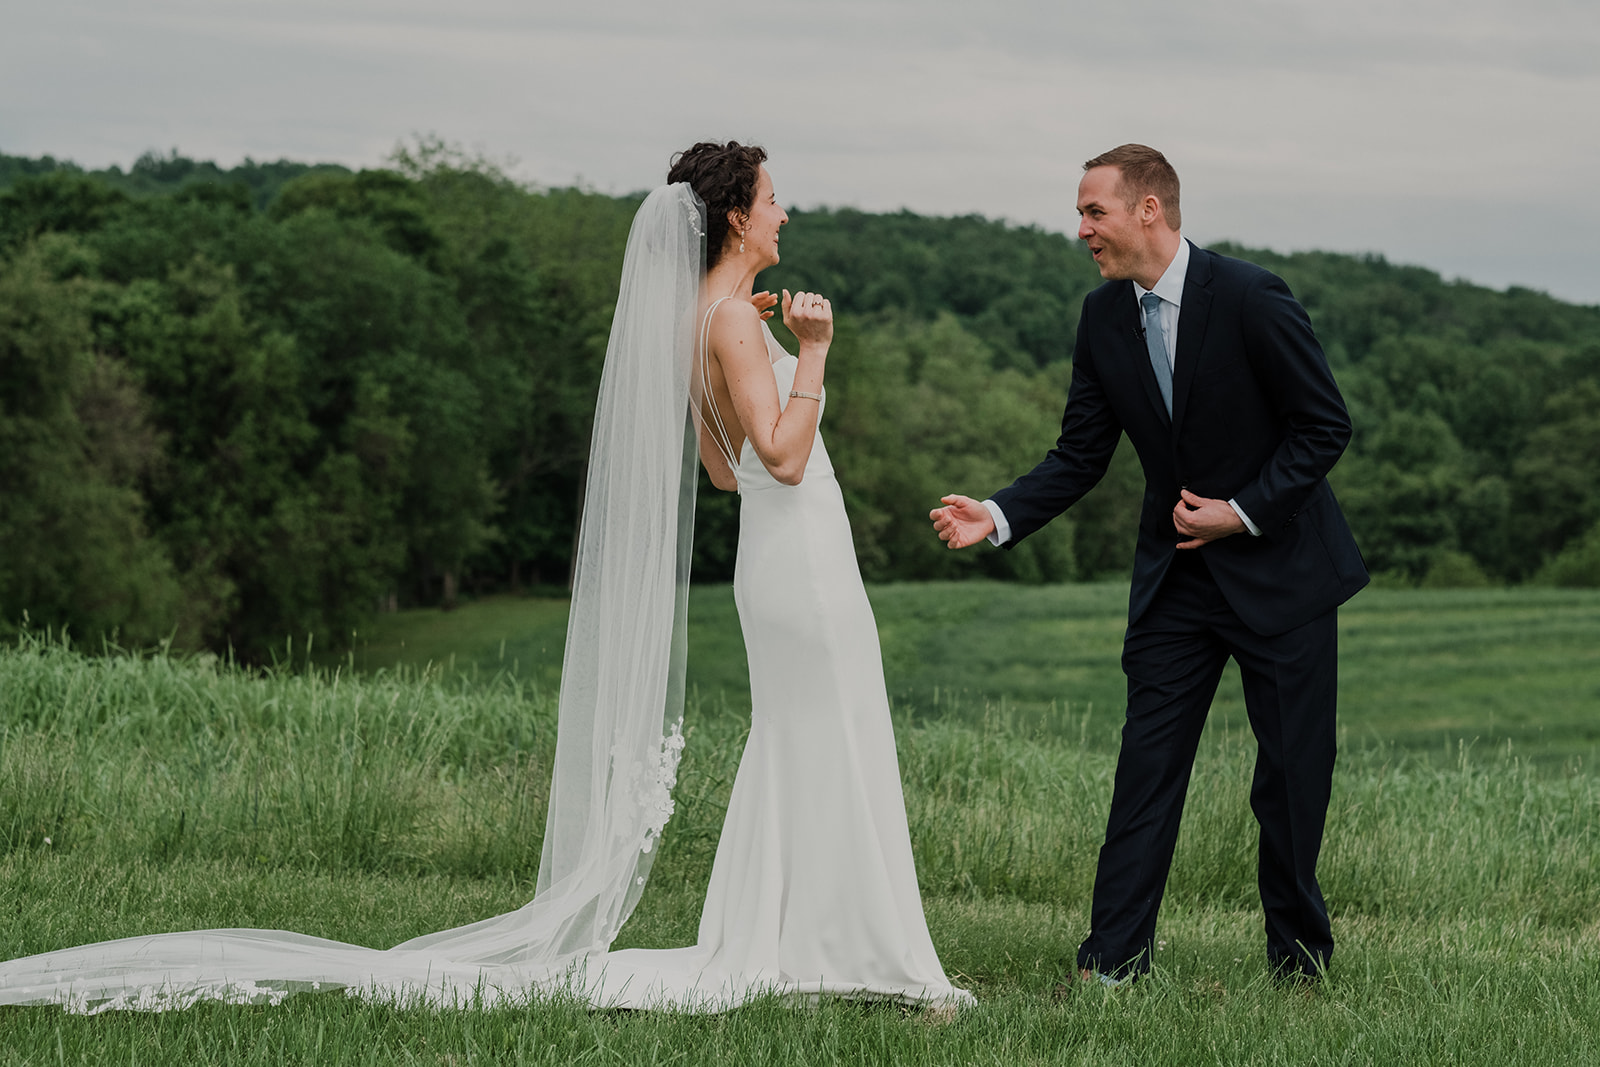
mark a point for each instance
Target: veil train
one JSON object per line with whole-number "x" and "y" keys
{"x": 621, "y": 711}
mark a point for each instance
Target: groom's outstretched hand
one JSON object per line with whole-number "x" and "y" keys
{"x": 962, "y": 521}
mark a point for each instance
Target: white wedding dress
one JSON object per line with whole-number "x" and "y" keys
{"x": 813, "y": 889}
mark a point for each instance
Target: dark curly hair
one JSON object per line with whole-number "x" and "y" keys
{"x": 724, "y": 176}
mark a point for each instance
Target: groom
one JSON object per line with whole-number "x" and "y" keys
{"x": 1210, "y": 367}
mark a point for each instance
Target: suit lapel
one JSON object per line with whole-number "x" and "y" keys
{"x": 1193, "y": 317}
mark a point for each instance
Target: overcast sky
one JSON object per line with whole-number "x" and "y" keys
{"x": 1454, "y": 134}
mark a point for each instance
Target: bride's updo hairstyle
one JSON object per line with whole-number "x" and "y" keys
{"x": 724, "y": 176}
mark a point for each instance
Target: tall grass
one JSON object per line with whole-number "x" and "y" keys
{"x": 156, "y": 758}
{"x": 141, "y": 793}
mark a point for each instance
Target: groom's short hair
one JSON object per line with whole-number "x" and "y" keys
{"x": 1145, "y": 172}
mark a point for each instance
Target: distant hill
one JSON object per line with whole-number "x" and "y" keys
{"x": 241, "y": 403}
{"x": 153, "y": 174}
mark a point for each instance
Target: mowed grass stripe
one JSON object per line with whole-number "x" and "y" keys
{"x": 1422, "y": 669}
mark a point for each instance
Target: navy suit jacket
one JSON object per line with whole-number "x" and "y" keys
{"x": 1256, "y": 418}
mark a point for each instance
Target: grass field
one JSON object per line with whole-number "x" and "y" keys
{"x": 140, "y": 794}
{"x": 1425, "y": 671}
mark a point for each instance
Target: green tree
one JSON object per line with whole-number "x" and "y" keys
{"x": 391, "y": 204}
{"x": 915, "y": 411}
{"x": 276, "y": 529}
{"x": 1577, "y": 565}
{"x": 75, "y": 440}
{"x": 1558, "y": 473}
{"x": 1402, "y": 494}
{"x": 535, "y": 275}
{"x": 55, "y": 202}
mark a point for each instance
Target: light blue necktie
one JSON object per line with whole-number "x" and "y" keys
{"x": 1156, "y": 340}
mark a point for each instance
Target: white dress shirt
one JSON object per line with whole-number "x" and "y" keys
{"x": 1169, "y": 287}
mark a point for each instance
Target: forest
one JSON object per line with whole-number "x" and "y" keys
{"x": 239, "y": 405}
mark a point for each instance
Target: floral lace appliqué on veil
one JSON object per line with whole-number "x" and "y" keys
{"x": 650, "y": 786}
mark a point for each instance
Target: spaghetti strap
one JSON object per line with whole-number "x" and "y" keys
{"x": 719, "y": 435}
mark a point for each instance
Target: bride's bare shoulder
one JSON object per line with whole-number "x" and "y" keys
{"x": 736, "y": 326}
{"x": 732, "y": 311}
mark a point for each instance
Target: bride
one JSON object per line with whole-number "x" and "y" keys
{"x": 813, "y": 889}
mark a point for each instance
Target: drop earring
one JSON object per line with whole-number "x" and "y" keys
{"x": 741, "y": 240}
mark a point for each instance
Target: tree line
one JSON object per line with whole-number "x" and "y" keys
{"x": 239, "y": 404}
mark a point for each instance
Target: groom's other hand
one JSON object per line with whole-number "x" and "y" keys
{"x": 1202, "y": 519}
{"x": 962, "y": 521}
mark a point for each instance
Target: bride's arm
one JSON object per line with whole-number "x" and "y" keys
{"x": 781, "y": 436}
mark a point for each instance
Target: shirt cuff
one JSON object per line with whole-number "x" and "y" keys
{"x": 1248, "y": 525}
{"x": 1002, "y": 528}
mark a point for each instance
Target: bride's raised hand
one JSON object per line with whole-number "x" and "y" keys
{"x": 764, "y": 302}
{"x": 809, "y": 317}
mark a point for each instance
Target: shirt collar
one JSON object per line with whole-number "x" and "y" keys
{"x": 1169, "y": 286}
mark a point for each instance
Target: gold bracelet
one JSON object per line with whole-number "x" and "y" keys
{"x": 806, "y": 396}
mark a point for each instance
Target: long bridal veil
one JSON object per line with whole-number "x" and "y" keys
{"x": 621, "y": 711}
